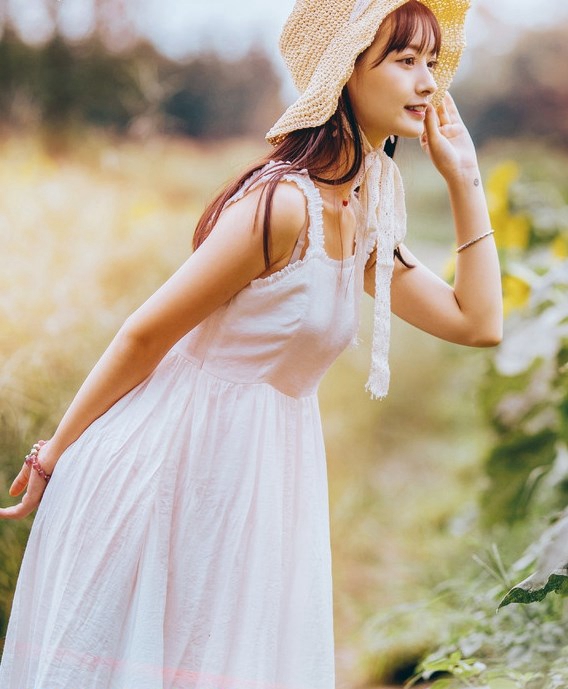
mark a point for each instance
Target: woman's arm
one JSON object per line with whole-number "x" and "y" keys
{"x": 470, "y": 313}
{"x": 224, "y": 264}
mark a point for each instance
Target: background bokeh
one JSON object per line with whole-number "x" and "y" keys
{"x": 120, "y": 118}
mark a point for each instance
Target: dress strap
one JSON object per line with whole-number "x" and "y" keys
{"x": 255, "y": 180}
{"x": 315, "y": 212}
{"x": 302, "y": 179}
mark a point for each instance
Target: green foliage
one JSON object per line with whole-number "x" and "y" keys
{"x": 515, "y": 648}
{"x": 460, "y": 613}
{"x": 58, "y": 83}
{"x": 550, "y": 555}
{"x": 469, "y": 671}
{"x": 395, "y": 640}
{"x": 216, "y": 98}
{"x": 453, "y": 664}
{"x": 523, "y": 395}
{"x": 525, "y": 389}
{"x": 515, "y": 467}
{"x": 61, "y": 85}
{"x": 525, "y": 593}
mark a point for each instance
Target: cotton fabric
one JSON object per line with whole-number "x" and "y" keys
{"x": 183, "y": 540}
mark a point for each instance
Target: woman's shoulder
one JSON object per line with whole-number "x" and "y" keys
{"x": 291, "y": 183}
{"x": 289, "y": 208}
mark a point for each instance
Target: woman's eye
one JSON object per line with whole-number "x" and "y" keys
{"x": 432, "y": 64}
{"x": 408, "y": 60}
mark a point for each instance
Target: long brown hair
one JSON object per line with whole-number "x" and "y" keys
{"x": 318, "y": 149}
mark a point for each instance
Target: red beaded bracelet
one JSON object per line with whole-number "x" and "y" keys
{"x": 32, "y": 460}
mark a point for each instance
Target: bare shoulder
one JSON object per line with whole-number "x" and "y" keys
{"x": 289, "y": 211}
{"x": 288, "y": 217}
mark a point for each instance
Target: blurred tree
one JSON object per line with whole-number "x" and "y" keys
{"x": 114, "y": 77}
{"x": 58, "y": 85}
{"x": 61, "y": 85}
{"x": 226, "y": 99}
{"x": 523, "y": 93}
{"x": 114, "y": 23}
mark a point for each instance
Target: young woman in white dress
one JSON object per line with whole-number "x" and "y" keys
{"x": 181, "y": 537}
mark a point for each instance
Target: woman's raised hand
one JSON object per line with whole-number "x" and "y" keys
{"x": 35, "y": 485}
{"x": 447, "y": 140}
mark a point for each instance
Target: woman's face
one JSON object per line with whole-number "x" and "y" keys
{"x": 390, "y": 98}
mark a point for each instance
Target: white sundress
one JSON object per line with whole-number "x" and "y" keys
{"x": 183, "y": 540}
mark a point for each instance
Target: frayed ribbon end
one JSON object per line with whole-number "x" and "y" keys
{"x": 376, "y": 392}
{"x": 355, "y": 342}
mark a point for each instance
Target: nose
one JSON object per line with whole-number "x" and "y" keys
{"x": 426, "y": 85}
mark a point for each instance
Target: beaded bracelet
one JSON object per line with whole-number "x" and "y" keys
{"x": 474, "y": 241}
{"x": 32, "y": 460}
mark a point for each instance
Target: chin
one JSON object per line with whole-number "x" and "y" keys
{"x": 409, "y": 133}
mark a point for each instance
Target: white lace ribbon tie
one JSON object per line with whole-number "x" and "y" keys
{"x": 386, "y": 222}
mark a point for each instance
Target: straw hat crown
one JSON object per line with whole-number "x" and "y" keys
{"x": 322, "y": 39}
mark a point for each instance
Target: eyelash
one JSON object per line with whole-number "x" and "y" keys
{"x": 431, "y": 65}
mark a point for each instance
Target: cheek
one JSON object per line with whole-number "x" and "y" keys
{"x": 354, "y": 87}
{"x": 357, "y": 98}
{"x": 363, "y": 89}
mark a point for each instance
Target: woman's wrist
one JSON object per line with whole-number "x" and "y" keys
{"x": 469, "y": 205}
{"x": 49, "y": 456}
{"x": 467, "y": 176}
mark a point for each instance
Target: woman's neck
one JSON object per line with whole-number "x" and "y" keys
{"x": 341, "y": 192}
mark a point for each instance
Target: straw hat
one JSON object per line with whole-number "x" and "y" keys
{"x": 322, "y": 39}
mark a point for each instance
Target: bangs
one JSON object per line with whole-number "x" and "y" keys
{"x": 412, "y": 24}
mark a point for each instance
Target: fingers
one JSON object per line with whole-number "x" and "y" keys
{"x": 26, "y": 507}
{"x": 20, "y": 482}
{"x": 431, "y": 125}
{"x": 451, "y": 108}
{"x": 30, "y": 500}
{"x": 23, "y": 509}
{"x": 443, "y": 114}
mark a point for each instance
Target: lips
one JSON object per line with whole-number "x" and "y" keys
{"x": 420, "y": 108}
{"x": 418, "y": 111}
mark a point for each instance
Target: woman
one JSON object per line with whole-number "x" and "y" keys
{"x": 183, "y": 539}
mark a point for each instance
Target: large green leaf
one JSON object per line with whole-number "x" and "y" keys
{"x": 551, "y": 574}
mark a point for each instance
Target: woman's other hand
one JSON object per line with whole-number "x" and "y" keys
{"x": 35, "y": 485}
{"x": 447, "y": 140}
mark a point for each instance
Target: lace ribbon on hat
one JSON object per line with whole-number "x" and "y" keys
{"x": 384, "y": 228}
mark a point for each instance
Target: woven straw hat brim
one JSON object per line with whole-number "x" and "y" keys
{"x": 321, "y": 41}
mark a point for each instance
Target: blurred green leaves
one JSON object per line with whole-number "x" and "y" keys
{"x": 514, "y": 467}
{"x": 525, "y": 389}
{"x": 549, "y": 556}
{"x": 524, "y": 397}
{"x": 58, "y": 83}
{"x": 61, "y": 85}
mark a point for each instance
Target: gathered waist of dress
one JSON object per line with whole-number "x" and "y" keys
{"x": 222, "y": 380}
